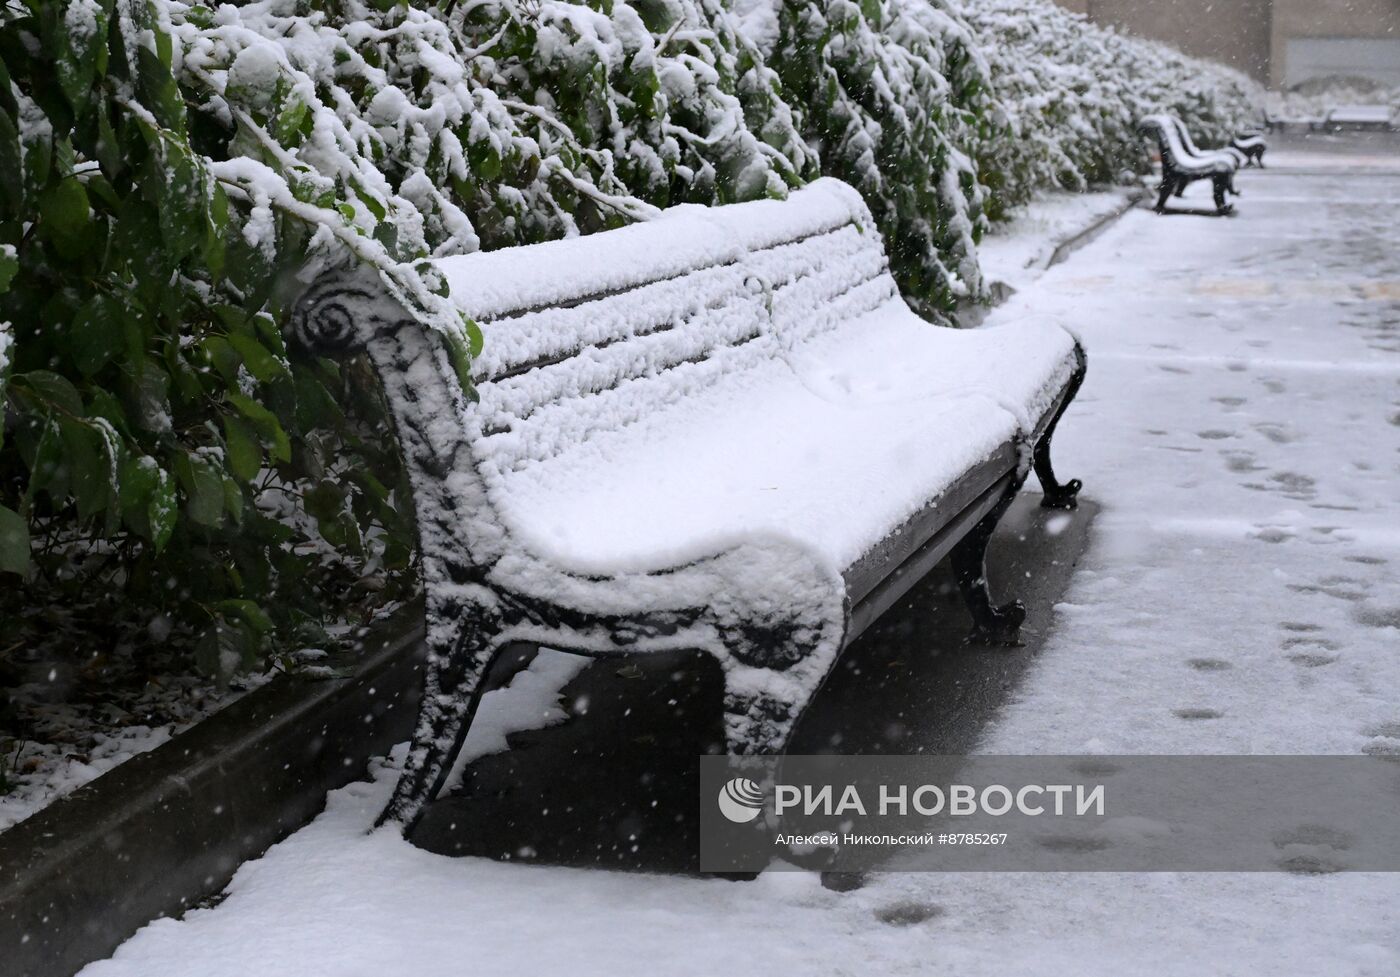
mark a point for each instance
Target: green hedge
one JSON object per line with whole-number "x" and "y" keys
{"x": 170, "y": 173}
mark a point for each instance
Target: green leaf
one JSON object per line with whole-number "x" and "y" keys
{"x": 461, "y": 356}
{"x": 204, "y": 488}
{"x": 97, "y": 334}
{"x": 244, "y": 452}
{"x": 287, "y": 126}
{"x": 152, "y": 395}
{"x": 475, "y": 339}
{"x": 87, "y": 467}
{"x": 11, "y": 166}
{"x": 63, "y": 213}
{"x": 387, "y": 234}
{"x": 233, "y": 500}
{"x": 53, "y": 391}
{"x": 249, "y": 611}
{"x": 78, "y": 49}
{"x": 184, "y": 216}
{"x": 14, "y": 542}
{"x": 368, "y": 199}
{"x": 9, "y": 267}
{"x": 161, "y": 511}
{"x": 49, "y": 471}
{"x": 264, "y": 366}
{"x": 266, "y": 424}
{"x": 161, "y": 93}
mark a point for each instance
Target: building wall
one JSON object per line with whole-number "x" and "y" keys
{"x": 1255, "y": 35}
{"x": 1376, "y": 20}
{"x": 1236, "y": 32}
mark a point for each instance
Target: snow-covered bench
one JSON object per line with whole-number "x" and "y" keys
{"x": 1181, "y": 167}
{"x": 721, "y": 430}
{"x": 1253, "y": 146}
{"x": 1382, "y": 117}
{"x": 1230, "y": 154}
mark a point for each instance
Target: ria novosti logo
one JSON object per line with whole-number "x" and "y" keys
{"x": 740, "y": 800}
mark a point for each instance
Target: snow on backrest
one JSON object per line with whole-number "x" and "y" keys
{"x": 1184, "y": 135}
{"x": 594, "y": 332}
{"x": 1174, "y": 154}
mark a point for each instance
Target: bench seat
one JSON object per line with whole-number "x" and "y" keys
{"x": 846, "y": 451}
{"x": 721, "y": 429}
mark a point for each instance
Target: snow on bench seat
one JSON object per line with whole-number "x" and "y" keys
{"x": 809, "y": 449}
{"x": 827, "y": 430}
{"x": 721, "y": 429}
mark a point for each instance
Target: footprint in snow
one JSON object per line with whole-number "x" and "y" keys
{"x": 1193, "y": 715}
{"x": 1276, "y": 433}
{"x": 1294, "y": 485}
{"x": 908, "y": 913}
{"x": 1311, "y": 659}
{"x": 1209, "y": 664}
{"x": 1241, "y": 462}
{"x": 1379, "y": 616}
{"x": 1334, "y": 589}
{"x": 1312, "y": 849}
{"x": 1323, "y": 643}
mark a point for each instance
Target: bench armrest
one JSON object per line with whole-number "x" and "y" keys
{"x": 350, "y": 311}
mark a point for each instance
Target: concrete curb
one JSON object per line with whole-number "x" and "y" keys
{"x": 1070, "y": 245}
{"x": 969, "y": 315}
{"x": 167, "y": 829}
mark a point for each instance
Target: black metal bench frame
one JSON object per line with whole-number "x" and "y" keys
{"x": 1180, "y": 168}
{"x": 476, "y": 610}
{"x": 1253, "y": 146}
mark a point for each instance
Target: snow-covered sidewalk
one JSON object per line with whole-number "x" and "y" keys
{"x": 1019, "y": 250}
{"x": 1240, "y": 429}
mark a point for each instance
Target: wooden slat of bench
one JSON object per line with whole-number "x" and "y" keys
{"x": 885, "y": 564}
{"x": 577, "y": 300}
{"x": 759, "y": 263}
{"x": 880, "y": 562}
{"x": 888, "y": 590}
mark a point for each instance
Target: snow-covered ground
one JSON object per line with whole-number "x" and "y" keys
{"x": 1240, "y": 430}
{"x": 1017, "y": 251}
{"x": 72, "y": 742}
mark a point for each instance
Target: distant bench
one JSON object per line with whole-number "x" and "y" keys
{"x": 1183, "y": 164}
{"x": 720, "y": 430}
{"x": 1253, "y": 146}
{"x": 1383, "y": 118}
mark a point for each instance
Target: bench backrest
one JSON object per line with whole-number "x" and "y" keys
{"x": 1184, "y": 134}
{"x": 1175, "y": 156}
{"x": 595, "y": 332}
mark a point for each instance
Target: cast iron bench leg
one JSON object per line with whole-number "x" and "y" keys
{"x": 991, "y": 623}
{"x": 1164, "y": 193}
{"x": 451, "y": 692}
{"x": 1221, "y": 184}
{"x": 1057, "y": 494}
{"x": 758, "y": 724}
